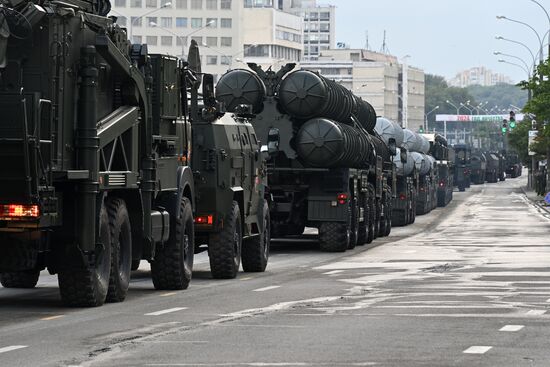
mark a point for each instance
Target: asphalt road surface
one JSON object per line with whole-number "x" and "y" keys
{"x": 467, "y": 285}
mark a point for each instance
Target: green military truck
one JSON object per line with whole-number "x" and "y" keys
{"x": 96, "y": 144}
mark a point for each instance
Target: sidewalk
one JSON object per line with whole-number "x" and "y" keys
{"x": 536, "y": 199}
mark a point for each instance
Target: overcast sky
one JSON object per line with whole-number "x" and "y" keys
{"x": 444, "y": 36}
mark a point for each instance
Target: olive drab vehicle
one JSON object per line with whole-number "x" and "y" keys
{"x": 232, "y": 217}
{"x": 96, "y": 142}
{"x": 463, "y": 155}
{"x": 478, "y": 167}
{"x": 324, "y": 170}
{"x": 444, "y": 157}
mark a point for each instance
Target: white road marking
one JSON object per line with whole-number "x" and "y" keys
{"x": 12, "y": 347}
{"x": 548, "y": 300}
{"x": 333, "y": 272}
{"x": 267, "y": 288}
{"x": 52, "y": 317}
{"x": 477, "y": 349}
{"x": 511, "y": 328}
{"x": 536, "y": 312}
{"x": 168, "y": 294}
{"x": 162, "y": 312}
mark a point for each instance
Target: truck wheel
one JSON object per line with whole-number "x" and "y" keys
{"x": 363, "y": 227}
{"x": 224, "y": 248}
{"x": 172, "y": 267}
{"x": 354, "y": 220}
{"x": 255, "y": 252}
{"x": 87, "y": 287}
{"x": 20, "y": 279}
{"x": 334, "y": 236}
{"x": 121, "y": 251}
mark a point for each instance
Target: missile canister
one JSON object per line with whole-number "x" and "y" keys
{"x": 238, "y": 87}
{"x": 388, "y": 130}
{"x": 305, "y": 95}
{"x": 321, "y": 142}
{"x": 403, "y": 169}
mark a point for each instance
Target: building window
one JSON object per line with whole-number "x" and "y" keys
{"x": 164, "y": 2}
{"x": 211, "y": 60}
{"x": 120, "y": 3}
{"x": 179, "y": 41}
{"x": 256, "y": 50}
{"x": 196, "y": 4}
{"x": 226, "y": 41}
{"x": 212, "y": 22}
{"x": 324, "y": 27}
{"x": 313, "y": 15}
{"x": 166, "y": 22}
{"x": 121, "y": 21}
{"x": 136, "y": 39}
{"x": 150, "y": 3}
{"x": 197, "y": 39}
{"x": 225, "y": 60}
{"x": 152, "y": 20}
{"x": 212, "y": 41}
{"x": 135, "y": 3}
{"x": 151, "y": 40}
{"x": 196, "y": 22}
{"x": 181, "y": 4}
{"x": 226, "y": 22}
{"x": 212, "y": 4}
{"x": 225, "y": 4}
{"x": 324, "y": 15}
{"x": 166, "y": 40}
{"x": 181, "y": 22}
{"x": 136, "y": 21}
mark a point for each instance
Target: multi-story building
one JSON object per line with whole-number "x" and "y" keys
{"x": 377, "y": 78}
{"x": 319, "y": 25}
{"x": 229, "y": 32}
{"x": 478, "y": 76}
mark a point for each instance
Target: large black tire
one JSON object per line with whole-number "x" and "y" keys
{"x": 255, "y": 252}
{"x": 172, "y": 267}
{"x": 20, "y": 279}
{"x": 334, "y": 236}
{"x": 354, "y": 220}
{"x": 363, "y": 228}
{"x": 88, "y": 286}
{"x": 121, "y": 251}
{"x": 224, "y": 248}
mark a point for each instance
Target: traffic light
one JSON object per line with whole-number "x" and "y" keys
{"x": 512, "y": 120}
{"x": 504, "y": 128}
{"x": 421, "y": 129}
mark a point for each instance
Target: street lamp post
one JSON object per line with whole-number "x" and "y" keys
{"x": 498, "y": 53}
{"x": 426, "y": 117}
{"x": 183, "y": 39}
{"x": 547, "y": 17}
{"x": 133, "y": 21}
{"x": 519, "y": 43}
{"x": 445, "y": 122}
{"x": 541, "y": 58}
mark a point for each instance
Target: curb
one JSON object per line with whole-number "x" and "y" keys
{"x": 539, "y": 203}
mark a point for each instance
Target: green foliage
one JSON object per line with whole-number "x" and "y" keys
{"x": 502, "y": 95}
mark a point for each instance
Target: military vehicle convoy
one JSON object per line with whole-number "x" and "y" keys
{"x": 462, "y": 166}
{"x": 478, "y": 167}
{"x": 513, "y": 164}
{"x": 444, "y": 157}
{"x": 96, "y": 141}
{"x": 328, "y": 168}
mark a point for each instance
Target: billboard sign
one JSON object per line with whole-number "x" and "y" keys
{"x": 477, "y": 118}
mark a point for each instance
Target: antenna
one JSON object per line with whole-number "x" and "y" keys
{"x": 367, "y": 46}
{"x": 384, "y": 48}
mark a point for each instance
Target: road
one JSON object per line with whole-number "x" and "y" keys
{"x": 467, "y": 285}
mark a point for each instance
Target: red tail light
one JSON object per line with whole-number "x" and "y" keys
{"x": 204, "y": 220}
{"x": 15, "y": 211}
{"x": 402, "y": 197}
{"x": 342, "y": 198}
{"x": 441, "y": 183}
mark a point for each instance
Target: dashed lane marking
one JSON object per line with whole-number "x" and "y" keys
{"x": 246, "y": 278}
{"x": 477, "y": 349}
{"x": 536, "y": 312}
{"x": 12, "y": 347}
{"x": 511, "y": 328}
{"x": 49, "y": 318}
{"x": 168, "y": 294}
{"x": 267, "y": 288}
{"x": 333, "y": 272}
{"x": 162, "y": 312}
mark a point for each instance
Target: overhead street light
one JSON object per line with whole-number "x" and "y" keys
{"x": 541, "y": 58}
{"x": 519, "y": 43}
{"x": 497, "y": 53}
{"x": 133, "y": 21}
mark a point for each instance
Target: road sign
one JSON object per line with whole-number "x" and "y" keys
{"x": 547, "y": 198}
{"x": 532, "y": 136}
